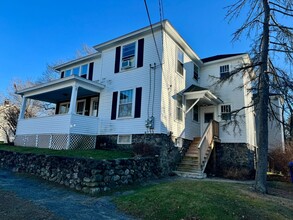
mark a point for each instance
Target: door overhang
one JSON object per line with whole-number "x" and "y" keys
{"x": 202, "y": 96}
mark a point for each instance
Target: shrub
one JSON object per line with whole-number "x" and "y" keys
{"x": 279, "y": 160}
{"x": 143, "y": 149}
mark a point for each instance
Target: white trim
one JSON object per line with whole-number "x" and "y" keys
{"x": 78, "y": 101}
{"x": 97, "y": 98}
{"x": 135, "y": 57}
{"x": 132, "y": 107}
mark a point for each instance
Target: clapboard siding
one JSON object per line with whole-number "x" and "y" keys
{"x": 130, "y": 79}
{"x": 172, "y": 84}
{"x": 229, "y": 93}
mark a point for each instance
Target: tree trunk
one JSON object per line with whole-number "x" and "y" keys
{"x": 262, "y": 106}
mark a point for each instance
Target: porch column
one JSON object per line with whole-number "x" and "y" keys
{"x": 73, "y": 100}
{"x": 23, "y": 108}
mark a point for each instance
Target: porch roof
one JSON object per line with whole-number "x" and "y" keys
{"x": 203, "y": 95}
{"x": 60, "y": 89}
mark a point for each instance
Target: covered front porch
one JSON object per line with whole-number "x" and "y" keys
{"x": 75, "y": 122}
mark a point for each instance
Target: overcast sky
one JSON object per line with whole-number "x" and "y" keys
{"x": 39, "y": 32}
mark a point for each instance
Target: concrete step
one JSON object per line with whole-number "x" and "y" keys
{"x": 197, "y": 175}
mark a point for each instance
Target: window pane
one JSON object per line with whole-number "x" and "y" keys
{"x": 125, "y": 110}
{"x": 126, "y": 96}
{"x": 128, "y": 50}
{"x": 84, "y": 69}
{"x": 125, "y": 103}
{"x": 67, "y": 73}
{"x": 195, "y": 113}
{"x": 80, "y": 108}
{"x": 75, "y": 71}
{"x": 180, "y": 56}
{"x": 64, "y": 108}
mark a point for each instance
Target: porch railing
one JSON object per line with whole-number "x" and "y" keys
{"x": 207, "y": 141}
{"x": 59, "y": 124}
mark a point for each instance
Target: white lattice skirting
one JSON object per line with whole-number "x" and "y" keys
{"x": 56, "y": 141}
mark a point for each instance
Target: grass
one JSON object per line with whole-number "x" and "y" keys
{"x": 186, "y": 199}
{"x": 92, "y": 154}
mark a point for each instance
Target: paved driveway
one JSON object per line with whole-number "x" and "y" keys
{"x": 23, "y": 197}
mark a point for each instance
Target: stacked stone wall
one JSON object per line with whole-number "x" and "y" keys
{"x": 87, "y": 175}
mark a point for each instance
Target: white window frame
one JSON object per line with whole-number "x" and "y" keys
{"x": 67, "y": 106}
{"x": 132, "y": 107}
{"x": 179, "y": 108}
{"x": 225, "y": 112}
{"x": 177, "y": 59}
{"x": 224, "y": 70}
{"x": 79, "y": 72}
{"x": 124, "y": 135}
{"x": 134, "y": 57}
{"x": 83, "y": 111}
{"x": 91, "y": 108}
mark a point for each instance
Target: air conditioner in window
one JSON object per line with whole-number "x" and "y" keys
{"x": 126, "y": 64}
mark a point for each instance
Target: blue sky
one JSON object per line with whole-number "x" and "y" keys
{"x": 36, "y": 33}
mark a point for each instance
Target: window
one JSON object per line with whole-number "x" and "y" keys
{"x": 179, "y": 107}
{"x": 224, "y": 71}
{"x": 226, "y": 112}
{"x": 64, "y": 108}
{"x": 81, "y": 71}
{"x": 125, "y": 103}
{"x": 80, "y": 107}
{"x": 195, "y": 71}
{"x": 67, "y": 73}
{"x": 124, "y": 139}
{"x": 195, "y": 113}
{"x": 75, "y": 71}
{"x": 128, "y": 56}
{"x": 84, "y": 70}
{"x": 180, "y": 61}
{"x": 94, "y": 106}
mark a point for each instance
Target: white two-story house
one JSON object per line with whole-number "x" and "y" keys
{"x": 145, "y": 82}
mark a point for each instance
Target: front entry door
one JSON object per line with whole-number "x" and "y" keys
{"x": 207, "y": 114}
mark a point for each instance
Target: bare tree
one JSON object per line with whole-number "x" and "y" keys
{"x": 267, "y": 24}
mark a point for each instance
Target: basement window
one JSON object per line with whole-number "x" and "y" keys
{"x": 124, "y": 139}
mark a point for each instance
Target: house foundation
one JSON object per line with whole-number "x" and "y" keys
{"x": 232, "y": 160}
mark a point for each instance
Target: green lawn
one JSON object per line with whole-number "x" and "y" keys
{"x": 93, "y": 154}
{"x": 206, "y": 200}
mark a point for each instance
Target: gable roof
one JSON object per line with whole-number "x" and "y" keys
{"x": 221, "y": 56}
{"x": 194, "y": 88}
{"x": 164, "y": 25}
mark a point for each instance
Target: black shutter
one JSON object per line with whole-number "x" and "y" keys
{"x": 62, "y": 74}
{"x": 140, "y": 52}
{"x": 91, "y": 70}
{"x": 137, "y": 109}
{"x": 117, "y": 60}
{"x": 114, "y": 105}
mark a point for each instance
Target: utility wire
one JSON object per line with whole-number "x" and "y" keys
{"x": 147, "y": 10}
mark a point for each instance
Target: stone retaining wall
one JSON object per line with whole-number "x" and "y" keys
{"x": 234, "y": 160}
{"x": 87, "y": 175}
